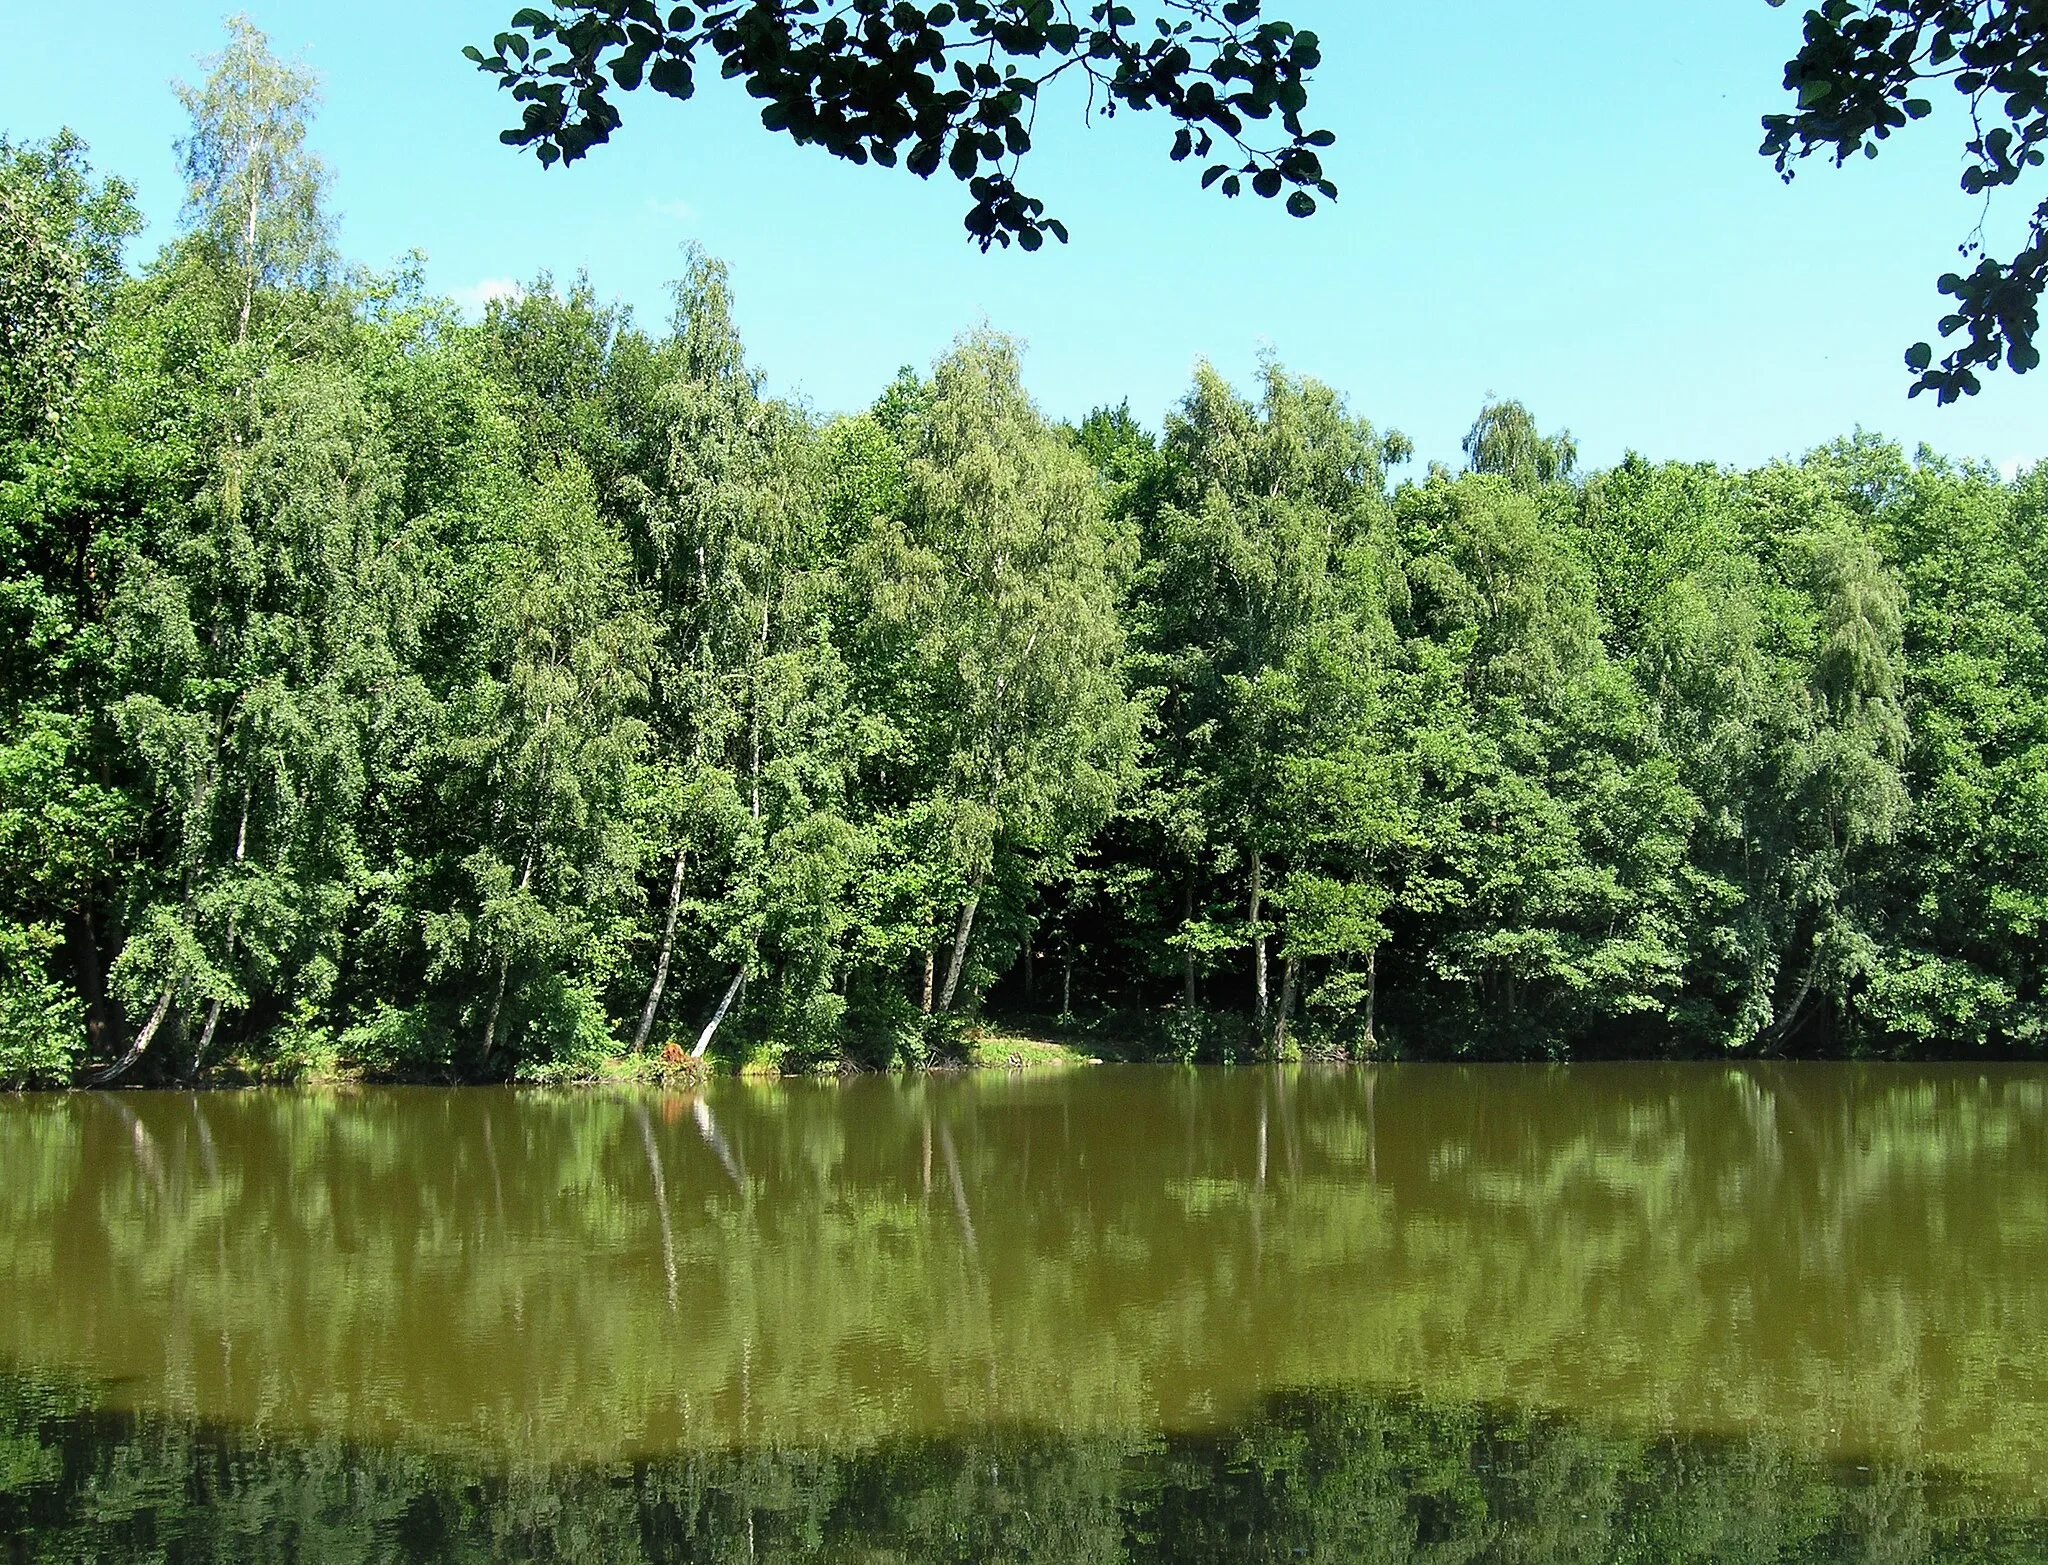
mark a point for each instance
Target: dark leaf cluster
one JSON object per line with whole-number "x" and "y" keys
{"x": 953, "y": 84}
{"x": 1861, "y": 73}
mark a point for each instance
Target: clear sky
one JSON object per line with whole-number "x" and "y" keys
{"x": 1561, "y": 203}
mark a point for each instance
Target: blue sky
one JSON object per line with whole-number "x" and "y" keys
{"x": 1559, "y": 203}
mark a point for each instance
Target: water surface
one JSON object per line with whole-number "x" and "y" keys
{"x": 1553, "y": 1312}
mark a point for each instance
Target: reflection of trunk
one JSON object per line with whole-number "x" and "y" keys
{"x": 707, "y": 1127}
{"x": 732, "y": 991}
{"x": 930, "y": 963}
{"x": 84, "y": 946}
{"x": 1258, "y": 944}
{"x": 962, "y": 931}
{"x": 142, "y": 1039}
{"x": 668, "y": 1243}
{"x": 1286, "y": 1004}
{"x": 959, "y": 1190}
{"x": 668, "y": 945}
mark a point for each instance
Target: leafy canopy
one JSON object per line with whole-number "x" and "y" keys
{"x": 1860, "y": 74}
{"x": 954, "y": 83}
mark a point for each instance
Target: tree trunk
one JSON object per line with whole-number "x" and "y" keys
{"x": 206, "y": 1035}
{"x": 1286, "y": 1004}
{"x": 1187, "y": 955}
{"x": 1258, "y": 944}
{"x": 1372, "y": 997}
{"x": 142, "y": 1039}
{"x": 1067, "y": 984}
{"x": 961, "y": 933}
{"x": 711, "y": 1027}
{"x": 668, "y": 945}
{"x": 1782, "y": 1026}
{"x": 1030, "y": 973}
{"x": 83, "y": 942}
{"x": 930, "y": 963}
{"x": 228, "y": 946}
{"x": 497, "y": 999}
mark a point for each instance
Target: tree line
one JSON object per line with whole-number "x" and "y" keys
{"x": 389, "y": 692}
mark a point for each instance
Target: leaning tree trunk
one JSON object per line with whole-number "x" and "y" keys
{"x": 1258, "y": 944}
{"x": 1372, "y": 997}
{"x": 82, "y": 940}
{"x": 962, "y": 931}
{"x": 711, "y": 1027}
{"x": 668, "y": 945}
{"x": 1286, "y": 1004}
{"x": 228, "y": 947}
{"x": 142, "y": 1041}
{"x": 497, "y": 1000}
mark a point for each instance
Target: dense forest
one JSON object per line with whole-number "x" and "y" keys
{"x": 382, "y": 691}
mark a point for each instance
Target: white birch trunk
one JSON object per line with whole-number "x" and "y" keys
{"x": 711, "y": 1027}
{"x": 668, "y": 945}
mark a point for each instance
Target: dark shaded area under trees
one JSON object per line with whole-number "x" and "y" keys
{"x": 387, "y": 693}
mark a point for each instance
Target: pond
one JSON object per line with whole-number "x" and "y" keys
{"x": 1630, "y": 1312}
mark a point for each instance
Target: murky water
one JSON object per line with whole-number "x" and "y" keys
{"x": 1628, "y": 1312}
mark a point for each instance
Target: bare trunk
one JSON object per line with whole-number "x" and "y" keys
{"x": 1372, "y": 996}
{"x": 1067, "y": 984}
{"x": 961, "y": 933}
{"x": 1784, "y": 1024}
{"x": 249, "y": 254}
{"x": 1187, "y": 956}
{"x": 83, "y": 942}
{"x": 754, "y": 725}
{"x": 142, "y": 1039}
{"x": 1286, "y": 1004}
{"x": 1258, "y": 943}
{"x": 668, "y": 945}
{"x": 206, "y": 1035}
{"x": 228, "y": 947}
{"x": 732, "y": 992}
{"x": 497, "y": 999}
{"x": 930, "y": 963}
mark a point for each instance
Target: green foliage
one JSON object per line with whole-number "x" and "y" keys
{"x": 886, "y": 80}
{"x": 1859, "y": 76}
{"x": 536, "y": 698}
{"x": 42, "y": 1023}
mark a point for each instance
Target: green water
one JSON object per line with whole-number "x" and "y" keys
{"x": 1584, "y": 1313}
